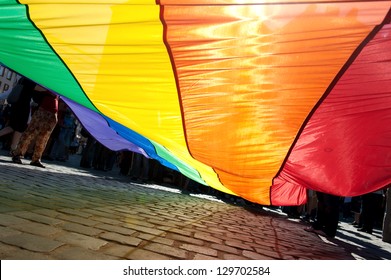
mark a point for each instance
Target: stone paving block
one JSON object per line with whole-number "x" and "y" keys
{"x": 38, "y": 218}
{"x": 199, "y": 249}
{"x": 144, "y": 229}
{"x": 117, "y": 229}
{"x": 167, "y": 250}
{"x": 76, "y": 212}
{"x": 126, "y": 210}
{"x": 157, "y": 239}
{"x": 164, "y": 223}
{"x": 207, "y": 237}
{"x": 267, "y": 252}
{"x": 117, "y": 250}
{"x": 8, "y": 252}
{"x": 176, "y": 230}
{"x": 47, "y": 212}
{"x": 263, "y": 242}
{"x": 123, "y": 239}
{"x": 77, "y": 253}
{"x": 288, "y": 257}
{"x": 225, "y": 248}
{"x": 78, "y": 220}
{"x": 74, "y": 202}
{"x": 32, "y": 242}
{"x": 36, "y": 229}
{"x": 78, "y": 228}
{"x": 238, "y": 229}
{"x": 185, "y": 239}
{"x": 237, "y": 244}
{"x": 209, "y": 223}
{"x": 100, "y": 213}
{"x": 6, "y": 231}
{"x": 132, "y": 217}
{"x": 186, "y": 219}
{"x": 106, "y": 220}
{"x": 216, "y": 230}
{"x": 255, "y": 256}
{"x": 7, "y": 220}
{"x": 6, "y": 209}
{"x": 139, "y": 222}
{"x": 141, "y": 254}
{"x": 154, "y": 216}
{"x": 199, "y": 226}
{"x": 204, "y": 257}
{"x": 81, "y": 240}
{"x": 234, "y": 257}
{"x": 242, "y": 238}
{"x": 63, "y": 202}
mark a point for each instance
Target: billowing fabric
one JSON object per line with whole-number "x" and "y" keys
{"x": 97, "y": 125}
{"x": 260, "y": 99}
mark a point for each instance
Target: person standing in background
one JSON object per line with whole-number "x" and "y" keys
{"x": 19, "y": 113}
{"x": 66, "y": 129}
{"x": 40, "y": 128}
{"x": 371, "y": 206}
{"x": 386, "y": 235}
{"x": 327, "y": 215}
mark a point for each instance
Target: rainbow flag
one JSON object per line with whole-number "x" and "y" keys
{"x": 259, "y": 99}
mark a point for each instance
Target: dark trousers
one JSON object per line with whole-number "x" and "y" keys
{"x": 327, "y": 215}
{"x": 371, "y": 207}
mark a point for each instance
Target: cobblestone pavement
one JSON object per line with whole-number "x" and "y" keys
{"x": 64, "y": 212}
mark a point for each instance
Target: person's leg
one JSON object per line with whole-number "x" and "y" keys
{"x": 54, "y": 150}
{"x": 386, "y": 234}
{"x": 26, "y": 138}
{"x": 85, "y": 160}
{"x": 60, "y": 152}
{"x": 67, "y": 143}
{"x": 15, "y": 140}
{"x": 374, "y": 202}
{"x": 365, "y": 212}
{"x": 145, "y": 169}
{"x": 320, "y": 212}
{"x": 47, "y": 124}
{"x": 332, "y": 203}
{"x": 135, "y": 171}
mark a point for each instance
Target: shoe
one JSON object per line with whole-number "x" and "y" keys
{"x": 365, "y": 230}
{"x": 309, "y": 229}
{"x": 12, "y": 153}
{"x": 37, "y": 163}
{"x": 16, "y": 159}
{"x": 313, "y": 230}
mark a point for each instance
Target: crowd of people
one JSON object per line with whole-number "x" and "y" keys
{"x": 40, "y": 125}
{"x": 30, "y": 122}
{"x": 325, "y": 211}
